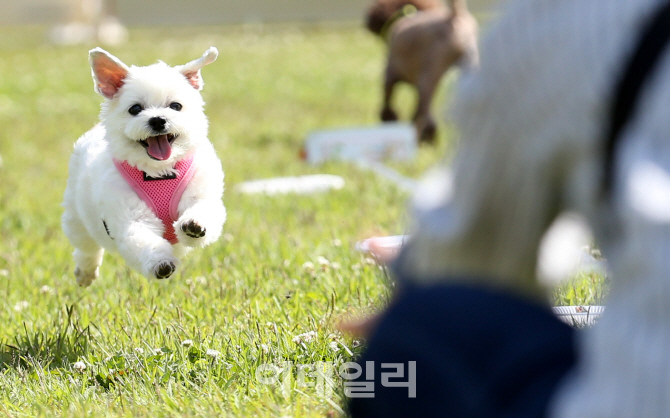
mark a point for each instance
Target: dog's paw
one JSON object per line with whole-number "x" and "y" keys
{"x": 85, "y": 278}
{"x": 164, "y": 269}
{"x": 193, "y": 229}
{"x": 388, "y": 115}
{"x": 427, "y": 134}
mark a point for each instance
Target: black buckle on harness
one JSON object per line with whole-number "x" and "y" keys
{"x": 165, "y": 177}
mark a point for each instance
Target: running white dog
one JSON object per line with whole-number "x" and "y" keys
{"x": 145, "y": 181}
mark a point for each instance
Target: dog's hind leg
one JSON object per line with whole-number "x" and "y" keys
{"x": 387, "y": 113}
{"x": 88, "y": 264}
{"x": 87, "y": 254}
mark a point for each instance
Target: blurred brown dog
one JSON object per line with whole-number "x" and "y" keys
{"x": 424, "y": 38}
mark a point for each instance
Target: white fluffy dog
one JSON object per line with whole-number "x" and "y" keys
{"x": 145, "y": 181}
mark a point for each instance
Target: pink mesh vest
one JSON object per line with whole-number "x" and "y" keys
{"x": 162, "y": 194}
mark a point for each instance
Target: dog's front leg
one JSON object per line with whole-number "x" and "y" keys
{"x": 201, "y": 223}
{"x": 143, "y": 247}
{"x": 201, "y": 210}
{"x": 387, "y": 113}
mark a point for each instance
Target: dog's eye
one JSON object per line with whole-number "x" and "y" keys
{"x": 175, "y": 106}
{"x": 135, "y": 109}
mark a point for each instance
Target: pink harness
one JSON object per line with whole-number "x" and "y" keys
{"x": 161, "y": 194}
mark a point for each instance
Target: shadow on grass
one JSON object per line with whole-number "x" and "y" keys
{"x": 63, "y": 343}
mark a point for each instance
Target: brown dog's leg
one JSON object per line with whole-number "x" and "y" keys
{"x": 425, "y": 125}
{"x": 387, "y": 113}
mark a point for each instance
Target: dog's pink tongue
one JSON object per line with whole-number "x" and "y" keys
{"x": 159, "y": 147}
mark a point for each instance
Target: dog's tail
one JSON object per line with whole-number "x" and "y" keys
{"x": 383, "y": 12}
{"x": 458, "y": 7}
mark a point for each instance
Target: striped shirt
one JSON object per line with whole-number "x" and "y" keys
{"x": 532, "y": 122}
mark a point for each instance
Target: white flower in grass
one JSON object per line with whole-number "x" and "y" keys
{"x": 158, "y": 351}
{"x": 335, "y": 265}
{"x": 337, "y": 242}
{"x": 4, "y": 272}
{"x": 323, "y": 261}
{"x": 212, "y": 353}
{"x": 46, "y": 289}
{"x": 19, "y": 306}
{"x": 306, "y": 337}
{"x": 139, "y": 350}
{"x": 334, "y": 346}
{"x": 308, "y": 266}
{"x": 79, "y": 366}
{"x": 201, "y": 280}
{"x": 265, "y": 349}
{"x": 187, "y": 343}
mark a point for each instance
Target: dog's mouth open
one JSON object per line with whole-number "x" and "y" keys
{"x": 159, "y": 147}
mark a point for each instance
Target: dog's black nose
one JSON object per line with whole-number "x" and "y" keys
{"x": 157, "y": 123}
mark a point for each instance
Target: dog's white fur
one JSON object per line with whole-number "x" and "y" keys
{"x": 96, "y": 191}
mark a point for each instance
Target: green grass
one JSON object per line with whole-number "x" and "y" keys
{"x": 583, "y": 289}
{"x": 249, "y": 295}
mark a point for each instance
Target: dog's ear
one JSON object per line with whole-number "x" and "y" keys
{"x": 192, "y": 70}
{"x": 108, "y": 72}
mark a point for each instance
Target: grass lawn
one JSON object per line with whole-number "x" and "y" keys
{"x": 242, "y": 301}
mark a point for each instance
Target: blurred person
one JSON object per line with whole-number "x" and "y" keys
{"x": 568, "y": 113}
